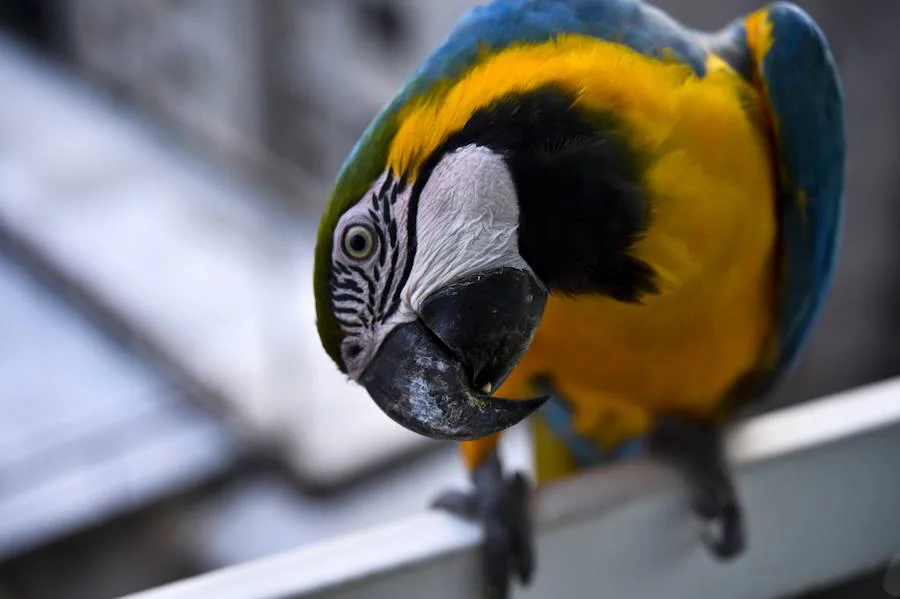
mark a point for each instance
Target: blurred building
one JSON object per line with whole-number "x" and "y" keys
{"x": 197, "y": 65}
{"x": 257, "y": 80}
{"x": 277, "y": 92}
{"x": 375, "y": 44}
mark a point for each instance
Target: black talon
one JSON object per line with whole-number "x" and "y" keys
{"x": 520, "y": 518}
{"x": 502, "y": 507}
{"x": 695, "y": 450}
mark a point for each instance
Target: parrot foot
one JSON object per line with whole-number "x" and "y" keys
{"x": 695, "y": 450}
{"x": 501, "y": 505}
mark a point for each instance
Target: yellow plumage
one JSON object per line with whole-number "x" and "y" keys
{"x": 712, "y": 236}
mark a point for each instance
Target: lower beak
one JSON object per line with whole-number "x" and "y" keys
{"x": 435, "y": 375}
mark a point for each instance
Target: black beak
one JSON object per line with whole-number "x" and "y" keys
{"x": 434, "y": 376}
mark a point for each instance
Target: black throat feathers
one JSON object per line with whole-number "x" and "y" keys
{"x": 581, "y": 208}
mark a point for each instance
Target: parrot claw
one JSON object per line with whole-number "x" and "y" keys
{"x": 459, "y": 503}
{"x": 501, "y": 506}
{"x": 695, "y": 450}
{"x": 723, "y": 535}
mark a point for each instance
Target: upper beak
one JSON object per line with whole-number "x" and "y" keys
{"x": 434, "y": 376}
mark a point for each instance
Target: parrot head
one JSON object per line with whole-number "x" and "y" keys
{"x": 422, "y": 294}
{"x": 461, "y": 208}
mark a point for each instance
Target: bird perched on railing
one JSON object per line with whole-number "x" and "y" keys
{"x": 587, "y": 201}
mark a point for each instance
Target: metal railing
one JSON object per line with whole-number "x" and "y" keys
{"x": 820, "y": 484}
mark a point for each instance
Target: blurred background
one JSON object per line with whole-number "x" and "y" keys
{"x": 165, "y": 406}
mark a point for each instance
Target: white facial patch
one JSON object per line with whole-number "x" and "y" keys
{"x": 467, "y": 221}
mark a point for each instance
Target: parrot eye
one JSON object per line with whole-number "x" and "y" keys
{"x": 359, "y": 242}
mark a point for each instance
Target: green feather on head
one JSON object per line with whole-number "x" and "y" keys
{"x": 365, "y": 163}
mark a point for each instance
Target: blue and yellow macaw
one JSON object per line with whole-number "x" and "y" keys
{"x": 586, "y": 201}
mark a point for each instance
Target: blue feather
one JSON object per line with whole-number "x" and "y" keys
{"x": 804, "y": 93}
{"x": 503, "y": 22}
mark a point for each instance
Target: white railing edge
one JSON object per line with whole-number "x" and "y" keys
{"x": 355, "y": 558}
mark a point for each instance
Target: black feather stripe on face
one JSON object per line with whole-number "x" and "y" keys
{"x": 365, "y": 293}
{"x": 390, "y": 243}
{"x": 581, "y": 206}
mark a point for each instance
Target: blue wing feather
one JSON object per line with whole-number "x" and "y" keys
{"x": 804, "y": 94}
{"x": 503, "y": 22}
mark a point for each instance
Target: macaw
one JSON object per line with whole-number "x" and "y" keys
{"x": 583, "y": 211}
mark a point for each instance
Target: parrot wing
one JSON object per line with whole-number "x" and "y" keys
{"x": 796, "y": 72}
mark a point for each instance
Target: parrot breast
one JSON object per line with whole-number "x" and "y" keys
{"x": 712, "y": 241}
